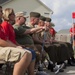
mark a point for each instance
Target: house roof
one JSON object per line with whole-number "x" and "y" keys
{"x": 63, "y": 31}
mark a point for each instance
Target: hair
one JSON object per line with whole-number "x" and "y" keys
{"x": 6, "y": 13}
{"x": 74, "y": 23}
{"x": 0, "y": 6}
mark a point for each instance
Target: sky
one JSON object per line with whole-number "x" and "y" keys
{"x": 62, "y": 16}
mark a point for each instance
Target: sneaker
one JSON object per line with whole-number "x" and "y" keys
{"x": 56, "y": 68}
{"x": 59, "y": 69}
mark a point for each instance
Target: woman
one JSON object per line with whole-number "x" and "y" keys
{"x": 9, "y": 19}
{"x": 10, "y": 52}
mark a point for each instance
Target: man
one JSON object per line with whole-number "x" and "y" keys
{"x": 51, "y": 30}
{"x": 72, "y": 35}
{"x": 35, "y": 36}
{"x": 34, "y": 20}
{"x": 42, "y": 23}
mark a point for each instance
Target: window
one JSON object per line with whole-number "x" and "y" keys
{"x": 46, "y": 13}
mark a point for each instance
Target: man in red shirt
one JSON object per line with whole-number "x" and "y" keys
{"x": 72, "y": 34}
{"x": 52, "y": 32}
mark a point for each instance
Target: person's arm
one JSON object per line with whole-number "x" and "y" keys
{"x": 33, "y": 30}
{"x": 39, "y": 31}
{"x": 19, "y": 45}
{"x": 7, "y": 43}
{"x": 71, "y": 32}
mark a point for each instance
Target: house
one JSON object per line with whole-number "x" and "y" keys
{"x": 27, "y": 6}
{"x": 63, "y": 35}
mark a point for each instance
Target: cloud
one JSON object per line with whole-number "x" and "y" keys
{"x": 61, "y": 24}
{"x": 59, "y": 5}
{"x": 62, "y": 12}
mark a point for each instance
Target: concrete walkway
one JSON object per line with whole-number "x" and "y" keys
{"x": 68, "y": 71}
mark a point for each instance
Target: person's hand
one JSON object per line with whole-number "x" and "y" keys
{"x": 47, "y": 42}
{"x": 19, "y": 47}
{"x": 44, "y": 27}
{"x": 23, "y": 46}
{"x": 51, "y": 41}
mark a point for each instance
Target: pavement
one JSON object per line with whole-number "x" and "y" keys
{"x": 70, "y": 70}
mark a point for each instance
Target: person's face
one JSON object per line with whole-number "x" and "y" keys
{"x": 36, "y": 20}
{"x": 1, "y": 13}
{"x": 48, "y": 24}
{"x": 41, "y": 23}
{"x": 12, "y": 16}
{"x": 22, "y": 20}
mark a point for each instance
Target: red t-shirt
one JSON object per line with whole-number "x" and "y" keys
{"x": 9, "y": 31}
{"x": 2, "y": 35}
{"x": 52, "y": 31}
{"x": 72, "y": 30}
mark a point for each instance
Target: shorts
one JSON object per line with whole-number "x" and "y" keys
{"x": 33, "y": 53}
{"x": 11, "y": 54}
{"x": 72, "y": 38}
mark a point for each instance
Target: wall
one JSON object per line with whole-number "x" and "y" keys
{"x": 27, "y": 6}
{"x": 63, "y": 37}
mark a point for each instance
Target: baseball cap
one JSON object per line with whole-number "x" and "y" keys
{"x": 34, "y": 14}
{"x": 18, "y": 14}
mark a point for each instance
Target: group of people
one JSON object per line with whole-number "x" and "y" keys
{"x": 23, "y": 51}
{"x": 29, "y": 43}
{"x": 10, "y": 50}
